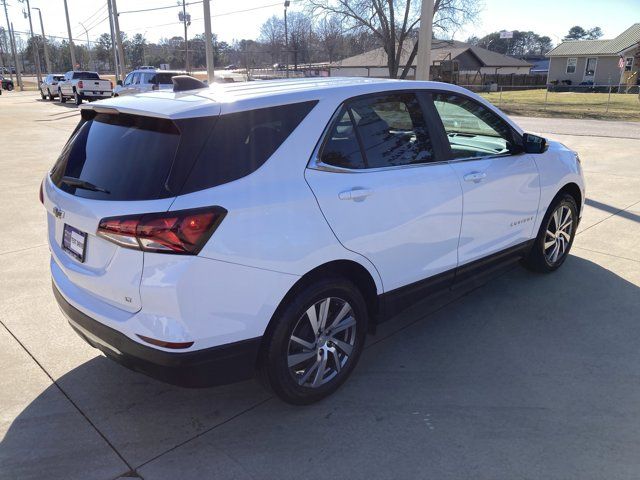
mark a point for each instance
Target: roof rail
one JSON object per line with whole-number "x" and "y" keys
{"x": 182, "y": 83}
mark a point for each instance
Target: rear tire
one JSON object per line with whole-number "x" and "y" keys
{"x": 305, "y": 358}
{"x": 555, "y": 237}
{"x": 77, "y": 98}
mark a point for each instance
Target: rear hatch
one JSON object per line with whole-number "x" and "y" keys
{"x": 114, "y": 164}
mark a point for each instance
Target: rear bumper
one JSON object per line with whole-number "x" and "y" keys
{"x": 200, "y": 368}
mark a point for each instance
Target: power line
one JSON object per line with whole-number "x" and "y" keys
{"x": 217, "y": 15}
{"x": 160, "y": 8}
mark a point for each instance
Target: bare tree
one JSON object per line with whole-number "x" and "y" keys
{"x": 394, "y": 23}
{"x": 330, "y": 35}
{"x": 272, "y": 37}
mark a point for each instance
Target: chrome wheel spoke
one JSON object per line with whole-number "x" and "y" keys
{"x": 346, "y": 308}
{"x": 304, "y": 343}
{"x": 298, "y": 358}
{"x": 344, "y": 346}
{"x": 324, "y": 312}
{"x": 336, "y": 359}
{"x": 309, "y": 372}
{"x": 313, "y": 319}
{"x": 320, "y": 371}
{"x": 549, "y": 244}
{"x": 342, "y": 326}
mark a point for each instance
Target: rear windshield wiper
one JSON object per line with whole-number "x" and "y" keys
{"x": 76, "y": 182}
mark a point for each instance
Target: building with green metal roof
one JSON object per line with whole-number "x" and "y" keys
{"x": 600, "y": 62}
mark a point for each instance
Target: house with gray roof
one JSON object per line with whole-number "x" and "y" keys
{"x": 601, "y": 62}
{"x": 463, "y": 57}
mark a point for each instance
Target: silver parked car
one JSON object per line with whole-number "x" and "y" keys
{"x": 145, "y": 80}
{"x": 49, "y": 86}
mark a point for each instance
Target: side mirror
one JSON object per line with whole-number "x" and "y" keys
{"x": 534, "y": 143}
{"x": 119, "y": 83}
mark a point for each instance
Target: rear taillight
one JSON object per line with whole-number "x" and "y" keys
{"x": 183, "y": 232}
{"x": 42, "y": 192}
{"x": 80, "y": 84}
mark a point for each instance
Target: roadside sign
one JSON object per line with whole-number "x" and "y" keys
{"x": 506, "y": 34}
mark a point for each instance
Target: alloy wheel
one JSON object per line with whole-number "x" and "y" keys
{"x": 322, "y": 342}
{"x": 558, "y": 235}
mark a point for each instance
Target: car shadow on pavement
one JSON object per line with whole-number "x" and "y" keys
{"x": 530, "y": 373}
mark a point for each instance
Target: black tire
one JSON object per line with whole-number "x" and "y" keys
{"x": 50, "y": 95}
{"x": 273, "y": 368}
{"x": 42, "y": 95}
{"x": 9, "y": 87}
{"x": 77, "y": 98}
{"x": 538, "y": 258}
{"x": 61, "y": 97}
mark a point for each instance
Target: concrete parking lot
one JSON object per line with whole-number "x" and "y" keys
{"x": 523, "y": 377}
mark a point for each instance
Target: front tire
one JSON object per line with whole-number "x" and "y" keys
{"x": 61, "y": 97}
{"x": 50, "y": 95}
{"x": 42, "y": 95}
{"x": 555, "y": 237}
{"x": 316, "y": 341}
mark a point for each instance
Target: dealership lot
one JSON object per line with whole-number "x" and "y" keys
{"x": 524, "y": 376}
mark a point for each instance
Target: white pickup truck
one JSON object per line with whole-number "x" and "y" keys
{"x": 83, "y": 86}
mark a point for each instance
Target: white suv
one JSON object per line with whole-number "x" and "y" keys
{"x": 201, "y": 236}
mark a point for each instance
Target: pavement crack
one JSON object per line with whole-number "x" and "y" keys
{"x": 115, "y": 450}
{"x": 24, "y": 249}
{"x": 204, "y": 432}
{"x": 607, "y": 254}
{"x": 608, "y": 217}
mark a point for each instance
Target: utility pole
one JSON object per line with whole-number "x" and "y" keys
{"x": 113, "y": 40}
{"x": 186, "y": 21}
{"x": 208, "y": 38}
{"x": 424, "y": 40}
{"x": 12, "y": 44}
{"x": 12, "y": 34}
{"x": 286, "y": 38}
{"x": 34, "y": 41}
{"x": 88, "y": 43}
{"x": 47, "y": 61}
{"x": 71, "y": 48}
{"x": 116, "y": 24}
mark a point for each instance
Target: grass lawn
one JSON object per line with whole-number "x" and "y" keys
{"x": 567, "y": 104}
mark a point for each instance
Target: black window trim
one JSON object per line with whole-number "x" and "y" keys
{"x": 431, "y": 119}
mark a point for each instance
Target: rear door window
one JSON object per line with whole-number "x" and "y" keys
{"x": 129, "y": 156}
{"x": 342, "y": 148}
{"x": 242, "y": 142}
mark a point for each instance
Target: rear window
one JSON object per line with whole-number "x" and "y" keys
{"x": 163, "y": 78}
{"x": 86, "y": 76}
{"x": 242, "y": 142}
{"x": 128, "y": 155}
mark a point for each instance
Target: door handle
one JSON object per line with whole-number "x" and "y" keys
{"x": 355, "y": 194}
{"x": 474, "y": 177}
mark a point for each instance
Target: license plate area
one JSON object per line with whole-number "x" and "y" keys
{"x": 74, "y": 242}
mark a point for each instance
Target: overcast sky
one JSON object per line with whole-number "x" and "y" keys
{"x": 546, "y": 17}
